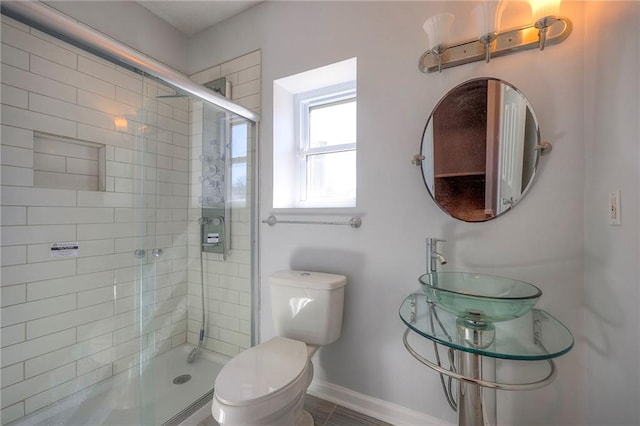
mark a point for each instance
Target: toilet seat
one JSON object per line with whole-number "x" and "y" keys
{"x": 262, "y": 372}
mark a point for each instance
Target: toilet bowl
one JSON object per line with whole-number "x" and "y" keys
{"x": 266, "y": 384}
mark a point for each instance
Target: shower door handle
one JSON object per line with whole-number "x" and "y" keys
{"x": 157, "y": 252}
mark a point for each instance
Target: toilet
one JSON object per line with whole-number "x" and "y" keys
{"x": 266, "y": 384}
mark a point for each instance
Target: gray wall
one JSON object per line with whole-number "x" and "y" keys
{"x": 612, "y": 120}
{"x": 541, "y": 241}
{"x": 133, "y": 25}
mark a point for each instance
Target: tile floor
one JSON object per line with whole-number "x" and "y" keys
{"x": 327, "y": 413}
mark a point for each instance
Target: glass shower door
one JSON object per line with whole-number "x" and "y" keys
{"x": 162, "y": 188}
{"x": 151, "y": 301}
{"x": 163, "y": 271}
{"x": 150, "y": 260}
{"x": 131, "y": 190}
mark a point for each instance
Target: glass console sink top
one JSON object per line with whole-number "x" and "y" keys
{"x": 535, "y": 336}
{"x": 480, "y": 298}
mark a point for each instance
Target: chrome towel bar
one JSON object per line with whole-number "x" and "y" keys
{"x": 354, "y": 222}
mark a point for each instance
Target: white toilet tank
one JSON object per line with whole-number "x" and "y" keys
{"x": 307, "y": 306}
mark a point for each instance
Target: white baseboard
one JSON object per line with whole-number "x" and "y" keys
{"x": 373, "y": 407}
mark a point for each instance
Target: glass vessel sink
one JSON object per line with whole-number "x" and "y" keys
{"x": 480, "y": 298}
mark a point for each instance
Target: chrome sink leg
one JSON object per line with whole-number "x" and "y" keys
{"x": 476, "y": 405}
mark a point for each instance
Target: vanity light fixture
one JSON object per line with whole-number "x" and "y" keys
{"x": 488, "y": 14}
{"x": 548, "y": 28}
{"x": 437, "y": 28}
{"x": 545, "y": 14}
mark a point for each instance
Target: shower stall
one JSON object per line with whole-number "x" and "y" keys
{"x": 128, "y": 229}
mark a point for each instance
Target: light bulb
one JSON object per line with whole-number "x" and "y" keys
{"x": 488, "y": 15}
{"x": 437, "y": 28}
{"x": 543, "y": 8}
{"x": 544, "y": 13}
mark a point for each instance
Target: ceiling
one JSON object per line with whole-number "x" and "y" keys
{"x": 191, "y": 17}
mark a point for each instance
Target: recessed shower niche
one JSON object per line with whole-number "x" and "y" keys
{"x": 64, "y": 163}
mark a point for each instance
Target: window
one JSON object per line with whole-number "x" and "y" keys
{"x": 315, "y": 138}
{"x": 327, "y": 153}
{"x": 238, "y": 172}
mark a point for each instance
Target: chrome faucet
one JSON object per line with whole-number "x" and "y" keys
{"x": 433, "y": 256}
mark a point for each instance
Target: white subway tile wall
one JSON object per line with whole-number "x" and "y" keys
{"x": 69, "y": 322}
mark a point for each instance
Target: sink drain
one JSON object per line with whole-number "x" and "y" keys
{"x": 182, "y": 379}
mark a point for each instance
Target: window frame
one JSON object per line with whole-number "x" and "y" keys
{"x": 304, "y": 103}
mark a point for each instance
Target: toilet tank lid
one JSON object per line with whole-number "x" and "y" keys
{"x": 308, "y": 279}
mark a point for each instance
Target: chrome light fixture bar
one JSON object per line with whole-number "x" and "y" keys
{"x": 547, "y": 28}
{"x": 528, "y": 37}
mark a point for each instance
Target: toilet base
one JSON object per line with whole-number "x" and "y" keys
{"x": 295, "y": 417}
{"x": 306, "y": 419}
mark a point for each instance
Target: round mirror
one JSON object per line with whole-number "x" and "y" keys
{"x": 480, "y": 149}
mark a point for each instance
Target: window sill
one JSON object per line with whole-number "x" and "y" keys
{"x": 315, "y": 211}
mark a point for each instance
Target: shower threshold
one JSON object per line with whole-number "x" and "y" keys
{"x": 116, "y": 401}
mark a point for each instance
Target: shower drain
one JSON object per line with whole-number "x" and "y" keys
{"x": 182, "y": 379}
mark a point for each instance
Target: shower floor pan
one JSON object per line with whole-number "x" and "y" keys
{"x": 116, "y": 401}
